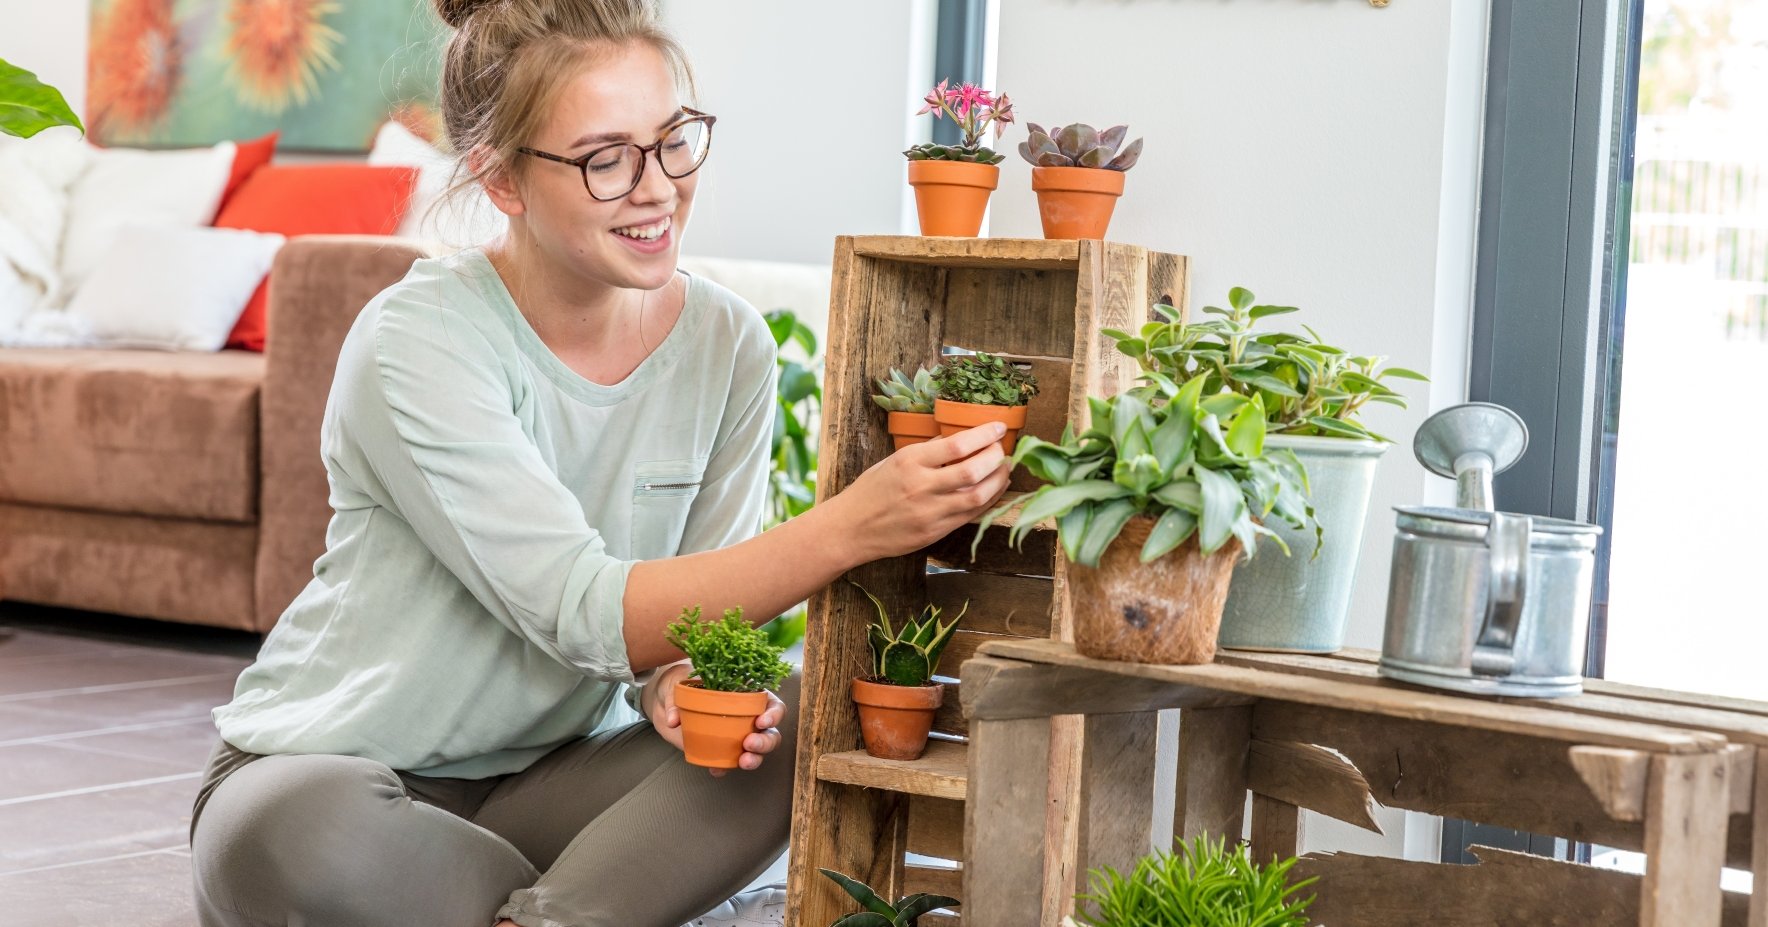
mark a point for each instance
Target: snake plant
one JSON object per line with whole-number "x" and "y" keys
{"x": 881, "y": 913}
{"x": 909, "y": 655}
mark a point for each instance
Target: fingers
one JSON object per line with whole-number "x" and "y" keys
{"x": 969, "y": 471}
{"x": 964, "y": 444}
{"x": 761, "y": 742}
{"x": 775, "y": 713}
{"x": 672, "y": 717}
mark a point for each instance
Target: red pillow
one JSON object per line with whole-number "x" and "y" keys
{"x": 247, "y": 158}
{"x": 312, "y": 199}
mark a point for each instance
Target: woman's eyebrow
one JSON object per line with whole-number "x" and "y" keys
{"x": 623, "y": 136}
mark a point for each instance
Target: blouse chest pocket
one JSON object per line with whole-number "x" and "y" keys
{"x": 662, "y": 493}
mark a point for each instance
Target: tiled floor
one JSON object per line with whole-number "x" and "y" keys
{"x": 104, "y": 727}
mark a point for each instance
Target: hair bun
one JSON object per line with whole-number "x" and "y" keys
{"x": 456, "y": 12}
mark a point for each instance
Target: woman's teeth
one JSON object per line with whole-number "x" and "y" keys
{"x": 644, "y": 232}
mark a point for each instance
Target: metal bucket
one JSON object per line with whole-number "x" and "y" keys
{"x": 1486, "y": 602}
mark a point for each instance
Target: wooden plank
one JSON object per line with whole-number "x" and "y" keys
{"x": 1757, "y": 832}
{"x": 1011, "y": 310}
{"x": 998, "y": 689}
{"x": 936, "y": 880}
{"x": 1314, "y": 778}
{"x": 1168, "y": 282}
{"x": 1687, "y": 805}
{"x": 949, "y": 718}
{"x": 1004, "y": 823}
{"x": 1503, "y": 890}
{"x": 1036, "y": 556}
{"x": 1063, "y": 820}
{"x": 1016, "y": 605}
{"x": 1616, "y": 777}
{"x": 939, "y": 773}
{"x": 1117, "y": 791}
{"x": 1276, "y": 829}
{"x": 963, "y": 646}
{"x": 936, "y": 827}
{"x": 1210, "y": 792}
{"x": 1385, "y": 701}
{"x": 970, "y": 252}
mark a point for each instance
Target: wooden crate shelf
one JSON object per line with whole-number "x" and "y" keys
{"x": 939, "y": 773}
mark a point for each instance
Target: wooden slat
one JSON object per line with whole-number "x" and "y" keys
{"x": 1210, "y": 794}
{"x": 1036, "y": 556}
{"x": 997, "y": 689}
{"x": 1314, "y": 778}
{"x": 1032, "y": 253}
{"x": 1117, "y": 791}
{"x": 1011, "y": 310}
{"x": 936, "y": 828}
{"x": 1756, "y": 831}
{"x": 963, "y": 646}
{"x": 1389, "y": 702}
{"x": 1503, "y": 890}
{"x": 1276, "y": 829}
{"x": 1004, "y": 824}
{"x": 1617, "y": 778}
{"x": 935, "y": 880}
{"x": 1687, "y": 804}
{"x": 939, "y": 773}
{"x": 1016, "y": 605}
{"x": 1168, "y": 282}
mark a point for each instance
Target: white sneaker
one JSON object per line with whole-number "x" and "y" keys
{"x": 763, "y": 907}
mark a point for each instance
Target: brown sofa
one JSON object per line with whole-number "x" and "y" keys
{"x": 180, "y": 486}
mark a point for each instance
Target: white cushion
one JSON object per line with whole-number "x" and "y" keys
{"x": 461, "y": 221}
{"x": 36, "y": 175}
{"x": 172, "y": 288}
{"x": 125, "y": 186}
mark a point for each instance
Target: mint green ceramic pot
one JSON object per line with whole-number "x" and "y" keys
{"x": 1297, "y": 604}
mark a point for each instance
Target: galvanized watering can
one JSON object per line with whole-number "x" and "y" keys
{"x": 1482, "y": 601}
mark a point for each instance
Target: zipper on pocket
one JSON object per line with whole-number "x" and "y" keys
{"x": 657, "y": 487}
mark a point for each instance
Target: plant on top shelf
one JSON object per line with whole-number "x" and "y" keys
{"x": 1314, "y": 395}
{"x": 881, "y": 913}
{"x": 898, "y": 697}
{"x": 1203, "y": 884}
{"x": 1077, "y": 173}
{"x": 1151, "y": 504}
{"x": 909, "y": 400}
{"x": 979, "y": 388}
{"x": 952, "y": 182}
{"x": 28, "y": 106}
{"x": 734, "y": 666}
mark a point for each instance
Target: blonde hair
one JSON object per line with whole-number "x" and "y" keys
{"x": 509, "y": 59}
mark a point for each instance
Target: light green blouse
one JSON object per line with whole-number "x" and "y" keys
{"x": 489, "y": 503}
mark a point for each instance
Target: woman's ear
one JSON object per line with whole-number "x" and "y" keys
{"x": 499, "y": 186}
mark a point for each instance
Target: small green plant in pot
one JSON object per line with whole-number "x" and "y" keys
{"x": 952, "y": 182}
{"x": 909, "y": 402}
{"x": 734, "y": 666}
{"x": 1152, "y": 504}
{"x": 1314, "y": 395}
{"x": 1202, "y": 884}
{"x": 881, "y": 913}
{"x": 1077, "y": 173}
{"x": 898, "y": 697}
{"x": 975, "y": 389}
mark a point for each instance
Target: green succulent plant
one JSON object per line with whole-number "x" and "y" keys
{"x": 881, "y": 913}
{"x": 899, "y": 393}
{"x": 1308, "y": 387}
{"x": 933, "y": 151}
{"x": 908, "y": 656}
{"x": 728, "y": 655}
{"x": 1204, "y": 882}
{"x": 1197, "y": 464}
{"x": 984, "y": 379}
{"x": 1079, "y": 145}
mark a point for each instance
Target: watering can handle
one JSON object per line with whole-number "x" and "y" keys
{"x": 1507, "y": 552}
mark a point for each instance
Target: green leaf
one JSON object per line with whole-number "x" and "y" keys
{"x": 1240, "y": 298}
{"x": 1057, "y": 501}
{"x": 1139, "y": 474}
{"x": 1246, "y": 434}
{"x": 1259, "y": 312}
{"x": 1334, "y": 427}
{"x": 1071, "y": 529}
{"x": 28, "y": 106}
{"x": 1134, "y": 347}
{"x": 864, "y": 919}
{"x": 1117, "y": 334}
{"x": 1224, "y": 405}
{"x": 1404, "y": 374}
{"x": 1270, "y": 384}
{"x": 1183, "y": 493}
{"x": 796, "y": 383}
{"x": 1104, "y": 528}
{"x": 862, "y": 893}
{"x": 1169, "y": 532}
{"x": 920, "y": 903}
{"x": 1223, "y": 508}
{"x": 1172, "y": 440}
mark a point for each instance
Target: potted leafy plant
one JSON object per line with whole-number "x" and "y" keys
{"x": 28, "y": 106}
{"x": 975, "y": 389}
{"x": 734, "y": 666}
{"x": 1313, "y": 395}
{"x": 897, "y": 698}
{"x": 1152, "y": 504}
{"x": 1204, "y": 884}
{"x": 952, "y": 182}
{"x": 881, "y": 913}
{"x": 1077, "y": 173}
{"x": 910, "y": 404}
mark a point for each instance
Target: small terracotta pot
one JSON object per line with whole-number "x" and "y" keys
{"x": 895, "y": 720}
{"x": 951, "y": 196}
{"x": 1076, "y": 202}
{"x": 908, "y": 428}
{"x": 954, "y": 417}
{"x": 1168, "y": 611}
{"x": 713, "y": 724}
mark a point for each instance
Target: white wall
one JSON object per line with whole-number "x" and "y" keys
{"x": 48, "y": 38}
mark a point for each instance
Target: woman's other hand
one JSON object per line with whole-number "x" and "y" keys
{"x": 658, "y": 703}
{"x": 924, "y": 492}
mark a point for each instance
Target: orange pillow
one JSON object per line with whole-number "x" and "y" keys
{"x": 312, "y": 199}
{"x": 247, "y": 158}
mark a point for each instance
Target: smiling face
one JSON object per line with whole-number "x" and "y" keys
{"x": 626, "y": 95}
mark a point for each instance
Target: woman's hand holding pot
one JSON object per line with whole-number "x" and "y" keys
{"x": 658, "y": 703}
{"x": 924, "y": 492}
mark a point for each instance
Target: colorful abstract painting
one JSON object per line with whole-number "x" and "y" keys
{"x": 324, "y": 73}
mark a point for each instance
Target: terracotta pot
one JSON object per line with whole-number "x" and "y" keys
{"x": 951, "y": 196}
{"x": 908, "y": 428}
{"x": 1167, "y": 611}
{"x": 1076, "y": 202}
{"x": 895, "y": 720}
{"x": 954, "y": 417}
{"x": 713, "y": 724}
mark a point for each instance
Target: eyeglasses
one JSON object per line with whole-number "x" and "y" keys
{"x": 611, "y": 172}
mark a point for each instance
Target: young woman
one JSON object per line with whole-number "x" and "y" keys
{"x": 539, "y": 452}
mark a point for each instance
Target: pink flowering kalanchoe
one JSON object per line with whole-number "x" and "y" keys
{"x": 974, "y": 109}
